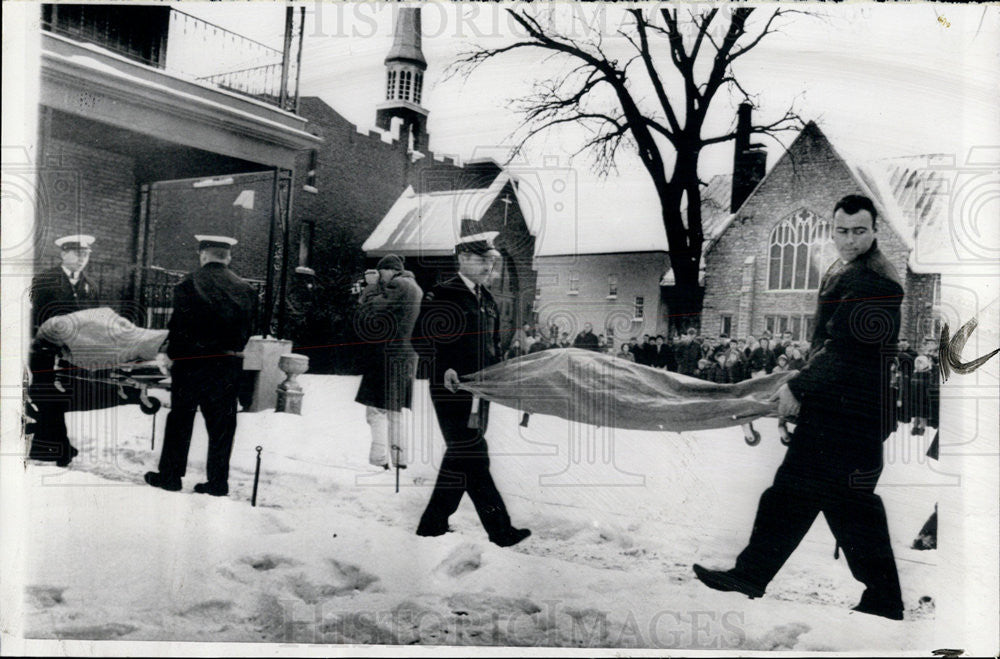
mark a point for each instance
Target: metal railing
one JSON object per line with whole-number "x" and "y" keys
{"x": 146, "y": 295}
{"x": 185, "y": 45}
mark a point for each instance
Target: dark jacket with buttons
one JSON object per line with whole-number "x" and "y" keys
{"x": 52, "y": 294}
{"x": 455, "y": 330}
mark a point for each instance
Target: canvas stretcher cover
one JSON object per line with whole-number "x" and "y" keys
{"x": 96, "y": 339}
{"x": 606, "y": 391}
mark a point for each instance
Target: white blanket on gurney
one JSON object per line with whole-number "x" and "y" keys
{"x": 97, "y": 339}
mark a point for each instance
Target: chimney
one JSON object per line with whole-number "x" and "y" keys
{"x": 749, "y": 160}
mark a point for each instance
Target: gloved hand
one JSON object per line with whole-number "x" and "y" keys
{"x": 164, "y": 363}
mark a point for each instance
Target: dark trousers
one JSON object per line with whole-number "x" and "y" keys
{"x": 50, "y": 439}
{"x": 465, "y": 467}
{"x": 212, "y": 384}
{"x": 823, "y": 473}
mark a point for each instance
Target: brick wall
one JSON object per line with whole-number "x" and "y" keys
{"x": 809, "y": 176}
{"x": 87, "y": 190}
{"x": 638, "y": 275}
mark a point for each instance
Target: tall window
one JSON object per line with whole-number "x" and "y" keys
{"x": 574, "y": 283}
{"x": 405, "y": 81}
{"x": 390, "y": 86}
{"x": 418, "y": 87}
{"x": 639, "y": 310}
{"x": 800, "y": 325}
{"x": 726, "y": 326}
{"x": 311, "y": 174}
{"x": 798, "y": 249}
{"x": 612, "y": 285}
{"x": 305, "y": 242}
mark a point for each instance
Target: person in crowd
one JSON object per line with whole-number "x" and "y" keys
{"x": 586, "y": 339}
{"x": 781, "y": 344}
{"x": 904, "y": 398}
{"x": 921, "y": 385}
{"x": 717, "y": 371}
{"x": 473, "y": 343}
{"x": 541, "y": 343}
{"x": 795, "y": 359}
{"x": 633, "y": 348}
{"x": 55, "y": 292}
{"x": 514, "y": 351}
{"x": 385, "y": 321}
{"x": 554, "y": 335}
{"x": 564, "y": 341}
{"x": 762, "y": 359}
{"x": 736, "y": 364}
{"x": 625, "y": 352}
{"x": 781, "y": 365}
{"x": 602, "y": 343}
{"x": 688, "y": 354}
{"x": 834, "y": 458}
{"x": 701, "y": 372}
{"x": 208, "y": 330}
{"x": 662, "y": 355}
{"x": 751, "y": 344}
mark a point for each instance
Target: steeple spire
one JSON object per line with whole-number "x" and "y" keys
{"x": 404, "y": 75}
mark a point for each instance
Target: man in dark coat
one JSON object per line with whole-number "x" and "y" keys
{"x": 209, "y": 328}
{"x": 586, "y": 339}
{"x": 688, "y": 353}
{"x": 386, "y": 317}
{"x": 459, "y": 330}
{"x": 762, "y": 359}
{"x": 662, "y": 355}
{"x": 55, "y": 292}
{"x": 841, "y": 400}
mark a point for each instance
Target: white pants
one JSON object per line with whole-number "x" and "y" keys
{"x": 388, "y": 437}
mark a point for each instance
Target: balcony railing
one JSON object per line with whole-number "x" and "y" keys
{"x": 186, "y": 46}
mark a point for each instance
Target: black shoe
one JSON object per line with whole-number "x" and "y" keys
{"x": 156, "y": 479}
{"x": 432, "y": 530}
{"x": 727, "y": 581}
{"x": 892, "y": 613}
{"x": 214, "y": 490}
{"x": 62, "y": 458}
{"x": 510, "y": 537}
{"x": 876, "y": 607}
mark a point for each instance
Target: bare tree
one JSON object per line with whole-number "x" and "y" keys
{"x": 606, "y": 96}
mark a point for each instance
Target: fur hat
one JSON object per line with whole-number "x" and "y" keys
{"x": 390, "y": 262}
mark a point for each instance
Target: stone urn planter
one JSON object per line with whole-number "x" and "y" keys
{"x": 290, "y": 392}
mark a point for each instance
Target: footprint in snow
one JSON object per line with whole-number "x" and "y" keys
{"x": 268, "y": 562}
{"x": 45, "y": 597}
{"x": 463, "y": 559}
{"x": 105, "y": 632}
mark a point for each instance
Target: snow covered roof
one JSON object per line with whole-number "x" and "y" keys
{"x": 908, "y": 190}
{"x": 428, "y": 224}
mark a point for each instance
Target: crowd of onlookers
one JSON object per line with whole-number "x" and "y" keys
{"x": 725, "y": 360}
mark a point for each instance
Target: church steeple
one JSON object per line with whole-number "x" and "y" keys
{"x": 404, "y": 76}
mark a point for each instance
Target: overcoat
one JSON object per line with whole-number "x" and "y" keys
{"x": 385, "y": 322}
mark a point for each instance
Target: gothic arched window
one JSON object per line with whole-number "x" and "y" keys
{"x": 799, "y": 252}
{"x": 418, "y": 87}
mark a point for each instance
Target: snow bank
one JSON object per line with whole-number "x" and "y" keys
{"x": 330, "y": 556}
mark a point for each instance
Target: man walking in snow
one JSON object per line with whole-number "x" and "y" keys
{"x": 459, "y": 330}
{"x": 209, "y": 327}
{"x": 388, "y": 312}
{"x": 841, "y": 398}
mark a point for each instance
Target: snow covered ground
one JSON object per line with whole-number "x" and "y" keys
{"x": 329, "y": 555}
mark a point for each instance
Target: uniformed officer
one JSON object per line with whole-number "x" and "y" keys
{"x": 58, "y": 291}
{"x": 209, "y": 327}
{"x": 844, "y": 409}
{"x": 458, "y": 328}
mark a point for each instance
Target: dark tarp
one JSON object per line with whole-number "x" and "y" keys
{"x": 602, "y": 390}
